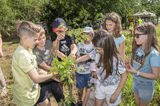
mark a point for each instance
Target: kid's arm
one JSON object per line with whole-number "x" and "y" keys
{"x": 154, "y": 75}
{"x": 56, "y": 44}
{"x": 73, "y": 50}
{"x": 59, "y": 54}
{"x": 122, "y": 49}
{"x": 119, "y": 88}
{"x": 33, "y": 74}
{"x": 122, "y": 83}
{"x": 86, "y": 57}
{"x": 41, "y": 71}
{"x": 83, "y": 58}
{"x": 93, "y": 69}
{"x": 45, "y": 66}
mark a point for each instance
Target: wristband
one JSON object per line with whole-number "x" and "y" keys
{"x": 138, "y": 72}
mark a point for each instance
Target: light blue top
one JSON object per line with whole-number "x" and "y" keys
{"x": 119, "y": 40}
{"x": 152, "y": 60}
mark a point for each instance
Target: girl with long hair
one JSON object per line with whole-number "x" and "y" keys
{"x": 112, "y": 24}
{"x": 145, "y": 63}
{"x": 109, "y": 69}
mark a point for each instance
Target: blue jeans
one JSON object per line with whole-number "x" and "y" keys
{"x": 82, "y": 80}
{"x": 145, "y": 90}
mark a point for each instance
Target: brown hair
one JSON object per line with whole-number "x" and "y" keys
{"x": 152, "y": 41}
{"x": 28, "y": 28}
{"x": 114, "y": 17}
{"x": 105, "y": 40}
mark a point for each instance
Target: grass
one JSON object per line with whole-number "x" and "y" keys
{"x": 127, "y": 94}
{"x": 5, "y": 62}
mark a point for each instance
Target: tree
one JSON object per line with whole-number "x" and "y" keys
{"x": 6, "y": 19}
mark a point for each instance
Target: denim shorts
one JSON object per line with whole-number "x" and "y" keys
{"x": 82, "y": 80}
{"x": 145, "y": 90}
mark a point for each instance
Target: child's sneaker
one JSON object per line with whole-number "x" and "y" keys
{"x": 3, "y": 91}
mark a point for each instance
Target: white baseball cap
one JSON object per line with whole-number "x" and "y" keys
{"x": 88, "y": 30}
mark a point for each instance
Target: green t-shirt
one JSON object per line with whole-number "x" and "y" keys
{"x": 25, "y": 91}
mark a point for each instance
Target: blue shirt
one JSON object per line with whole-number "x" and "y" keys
{"x": 119, "y": 40}
{"x": 152, "y": 60}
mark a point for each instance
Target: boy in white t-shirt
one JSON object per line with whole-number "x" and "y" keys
{"x": 85, "y": 55}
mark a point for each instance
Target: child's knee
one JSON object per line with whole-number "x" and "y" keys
{"x": 45, "y": 103}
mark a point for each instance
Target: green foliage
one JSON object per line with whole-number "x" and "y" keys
{"x": 65, "y": 69}
{"x": 78, "y": 34}
{"x": 12, "y": 10}
{"x": 76, "y": 13}
{"x": 6, "y": 19}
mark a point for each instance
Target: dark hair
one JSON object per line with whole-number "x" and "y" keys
{"x": 105, "y": 40}
{"x": 114, "y": 17}
{"x": 152, "y": 41}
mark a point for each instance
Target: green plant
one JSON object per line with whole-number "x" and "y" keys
{"x": 78, "y": 34}
{"x": 65, "y": 69}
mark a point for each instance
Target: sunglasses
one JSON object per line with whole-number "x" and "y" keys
{"x": 137, "y": 35}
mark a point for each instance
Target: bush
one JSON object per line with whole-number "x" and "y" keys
{"x": 12, "y": 10}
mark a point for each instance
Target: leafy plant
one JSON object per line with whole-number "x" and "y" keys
{"x": 65, "y": 69}
{"x": 78, "y": 34}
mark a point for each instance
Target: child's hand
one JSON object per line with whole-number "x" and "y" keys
{"x": 94, "y": 74}
{"x": 78, "y": 57}
{"x": 129, "y": 67}
{"x": 72, "y": 55}
{"x": 113, "y": 97}
{"x": 72, "y": 65}
{"x": 60, "y": 36}
{"x": 127, "y": 62}
{"x": 56, "y": 78}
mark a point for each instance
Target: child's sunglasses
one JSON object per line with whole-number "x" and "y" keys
{"x": 137, "y": 35}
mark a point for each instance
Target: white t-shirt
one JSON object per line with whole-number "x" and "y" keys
{"x": 84, "y": 49}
